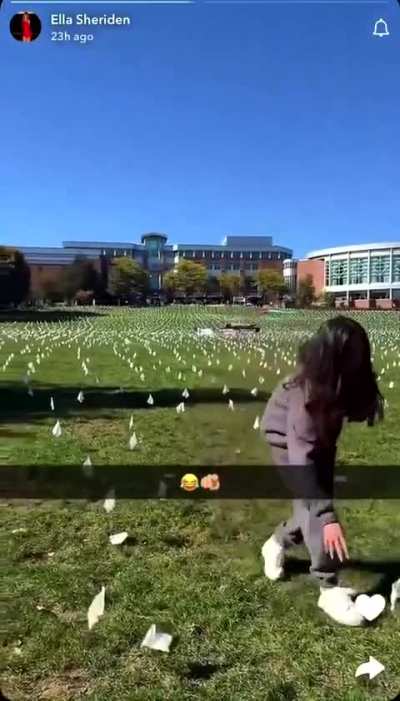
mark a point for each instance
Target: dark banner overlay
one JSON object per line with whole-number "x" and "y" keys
{"x": 194, "y": 482}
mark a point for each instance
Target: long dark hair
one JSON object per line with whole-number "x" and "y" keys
{"x": 335, "y": 368}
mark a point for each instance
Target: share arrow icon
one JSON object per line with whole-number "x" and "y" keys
{"x": 372, "y": 668}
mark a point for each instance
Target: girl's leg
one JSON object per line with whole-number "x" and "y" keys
{"x": 323, "y": 568}
{"x": 289, "y": 532}
{"x": 273, "y": 551}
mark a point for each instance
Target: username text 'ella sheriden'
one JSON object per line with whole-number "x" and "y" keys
{"x": 61, "y": 19}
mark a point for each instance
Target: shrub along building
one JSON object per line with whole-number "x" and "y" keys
{"x": 240, "y": 255}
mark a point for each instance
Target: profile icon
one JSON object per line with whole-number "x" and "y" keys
{"x": 25, "y": 26}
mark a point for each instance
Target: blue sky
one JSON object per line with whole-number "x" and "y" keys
{"x": 203, "y": 120}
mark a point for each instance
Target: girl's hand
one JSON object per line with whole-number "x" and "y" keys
{"x": 334, "y": 541}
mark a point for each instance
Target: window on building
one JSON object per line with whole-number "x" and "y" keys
{"x": 358, "y": 270}
{"x": 339, "y": 272}
{"x": 396, "y": 267}
{"x": 193, "y": 254}
{"x": 380, "y": 269}
{"x": 327, "y": 278}
{"x": 231, "y": 254}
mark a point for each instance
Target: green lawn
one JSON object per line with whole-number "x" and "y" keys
{"x": 191, "y": 566}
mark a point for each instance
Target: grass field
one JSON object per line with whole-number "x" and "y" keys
{"x": 191, "y": 566}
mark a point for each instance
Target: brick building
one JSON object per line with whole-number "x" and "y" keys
{"x": 242, "y": 255}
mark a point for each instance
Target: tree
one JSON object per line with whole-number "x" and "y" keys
{"x": 190, "y": 277}
{"x": 169, "y": 283}
{"x": 127, "y": 278}
{"x": 305, "y": 292}
{"x": 328, "y": 300}
{"x": 80, "y": 275}
{"x": 270, "y": 283}
{"x": 84, "y": 297}
{"x": 52, "y": 290}
{"x": 230, "y": 285}
{"x": 15, "y": 276}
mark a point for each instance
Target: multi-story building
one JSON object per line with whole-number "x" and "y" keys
{"x": 237, "y": 254}
{"x": 359, "y": 274}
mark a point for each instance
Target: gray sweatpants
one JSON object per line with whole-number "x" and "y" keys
{"x": 306, "y": 527}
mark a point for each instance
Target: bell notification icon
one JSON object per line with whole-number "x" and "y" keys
{"x": 381, "y": 28}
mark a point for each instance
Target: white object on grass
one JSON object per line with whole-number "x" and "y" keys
{"x": 131, "y": 422}
{"x": 370, "y": 606}
{"x": 57, "y": 430}
{"x": 118, "y": 538}
{"x": 273, "y": 554}
{"x": 133, "y": 441}
{"x": 225, "y": 390}
{"x": 180, "y": 408}
{"x": 109, "y": 502}
{"x": 150, "y": 400}
{"x": 80, "y": 397}
{"x": 185, "y": 393}
{"x": 256, "y": 424}
{"x": 373, "y": 667}
{"x": 96, "y": 608}
{"x": 52, "y": 403}
{"x": 231, "y": 405}
{"x": 395, "y": 594}
{"x": 337, "y": 602}
{"x": 87, "y": 467}
{"x": 254, "y": 391}
{"x": 156, "y": 640}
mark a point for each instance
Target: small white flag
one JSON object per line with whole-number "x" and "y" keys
{"x": 118, "y": 538}
{"x": 109, "y": 502}
{"x": 57, "y": 430}
{"x": 96, "y": 608}
{"x": 133, "y": 442}
{"x": 87, "y": 467}
{"x": 395, "y": 594}
{"x": 156, "y": 640}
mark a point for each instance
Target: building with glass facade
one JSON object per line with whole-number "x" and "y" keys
{"x": 361, "y": 272}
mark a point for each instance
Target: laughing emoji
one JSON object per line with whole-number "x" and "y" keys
{"x": 189, "y": 483}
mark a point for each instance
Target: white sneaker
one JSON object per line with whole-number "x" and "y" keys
{"x": 338, "y": 604}
{"x": 273, "y": 554}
